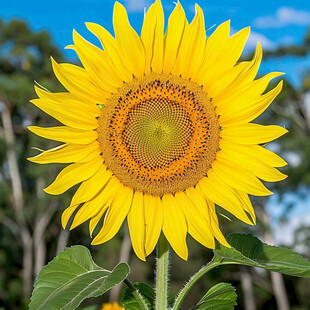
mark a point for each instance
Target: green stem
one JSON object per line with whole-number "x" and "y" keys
{"x": 162, "y": 264}
{"x": 137, "y": 295}
{"x": 214, "y": 263}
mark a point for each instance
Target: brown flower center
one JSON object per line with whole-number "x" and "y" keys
{"x": 159, "y": 134}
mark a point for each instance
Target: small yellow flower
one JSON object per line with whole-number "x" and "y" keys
{"x": 113, "y": 306}
{"x": 173, "y": 135}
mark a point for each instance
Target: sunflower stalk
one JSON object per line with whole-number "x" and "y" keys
{"x": 216, "y": 261}
{"x": 162, "y": 273}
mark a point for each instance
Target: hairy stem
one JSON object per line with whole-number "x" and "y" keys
{"x": 214, "y": 263}
{"x": 162, "y": 275}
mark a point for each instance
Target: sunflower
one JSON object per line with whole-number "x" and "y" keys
{"x": 112, "y": 306}
{"x": 158, "y": 128}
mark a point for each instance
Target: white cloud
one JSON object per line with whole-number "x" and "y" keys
{"x": 253, "y": 38}
{"x": 284, "y": 16}
{"x": 136, "y": 5}
{"x": 292, "y": 158}
{"x": 284, "y": 233}
{"x": 262, "y": 39}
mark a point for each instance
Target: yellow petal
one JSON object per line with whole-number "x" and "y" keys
{"x": 243, "y": 156}
{"x": 173, "y": 37}
{"x": 98, "y": 205}
{"x": 248, "y": 110}
{"x": 89, "y": 189}
{"x": 152, "y": 38}
{"x": 215, "y": 43}
{"x": 68, "y": 114}
{"x": 77, "y": 81}
{"x": 216, "y": 86}
{"x": 66, "y": 153}
{"x": 174, "y": 225}
{"x": 65, "y": 134}
{"x": 101, "y": 202}
{"x": 82, "y": 215}
{"x": 192, "y": 47}
{"x": 158, "y": 49}
{"x": 97, "y": 63}
{"x": 73, "y": 174}
{"x": 222, "y": 195}
{"x": 89, "y": 210}
{"x": 206, "y": 209}
{"x": 136, "y": 225}
{"x": 90, "y": 156}
{"x": 226, "y": 58}
{"x": 246, "y": 204}
{"x": 93, "y": 222}
{"x": 246, "y": 77}
{"x": 237, "y": 177}
{"x": 232, "y": 51}
{"x": 110, "y": 46}
{"x": 252, "y": 133}
{"x": 72, "y": 100}
{"x": 128, "y": 41}
{"x": 115, "y": 216}
{"x": 243, "y": 96}
{"x": 93, "y": 74}
{"x": 153, "y": 212}
{"x": 147, "y": 36}
{"x": 199, "y": 201}
{"x": 267, "y": 156}
{"x": 215, "y": 225}
{"x": 198, "y": 226}
{"x": 66, "y": 216}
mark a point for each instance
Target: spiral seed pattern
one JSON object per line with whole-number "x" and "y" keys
{"x": 159, "y": 134}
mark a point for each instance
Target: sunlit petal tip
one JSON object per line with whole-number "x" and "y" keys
{"x": 49, "y": 190}
{"x": 34, "y": 159}
{"x": 284, "y": 177}
{"x": 54, "y": 62}
{"x": 259, "y": 50}
{"x": 119, "y": 6}
{"x": 253, "y": 220}
{"x": 158, "y": 3}
{"x": 283, "y": 130}
{"x": 31, "y": 128}
{"x": 198, "y": 10}
{"x": 69, "y": 47}
{"x": 76, "y": 36}
{"x": 89, "y": 25}
{"x": 279, "y": 73}
{"x": 95, "y": 242}
{"x": 225, "y": 243}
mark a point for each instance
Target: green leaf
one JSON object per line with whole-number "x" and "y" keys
{"x": 71, "y": 277}
{"x": 221, "y": 296}
{"x": 248, "y": 250}
{"x": 130, "y": 301}
{"x": 90, "y": 308}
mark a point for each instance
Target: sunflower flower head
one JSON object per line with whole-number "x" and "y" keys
{"x": 158, "y": 128}
{"x": 112, "y": 306}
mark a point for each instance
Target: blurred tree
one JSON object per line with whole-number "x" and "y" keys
{"x": 24, "y": 57}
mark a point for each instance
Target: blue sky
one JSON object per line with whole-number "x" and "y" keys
{"x": 273, "y": 23}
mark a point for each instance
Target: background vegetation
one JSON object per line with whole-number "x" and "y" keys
{"x": 30, "y": 230}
